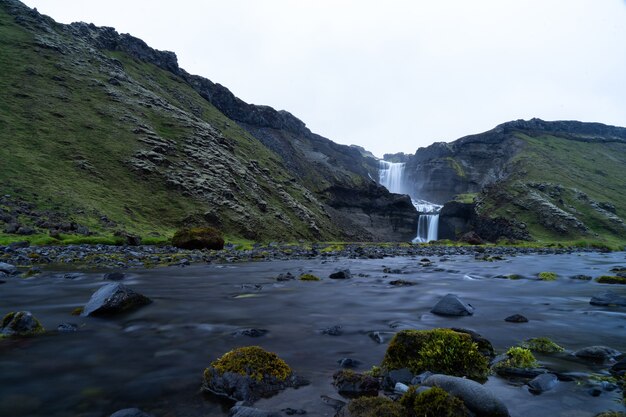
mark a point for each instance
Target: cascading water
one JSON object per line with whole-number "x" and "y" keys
{"x": 391, "y": 176}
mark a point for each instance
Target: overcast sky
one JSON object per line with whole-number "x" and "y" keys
{"x": 395, "y": 75}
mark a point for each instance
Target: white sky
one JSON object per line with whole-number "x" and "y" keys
{"x": 391, "y": 75}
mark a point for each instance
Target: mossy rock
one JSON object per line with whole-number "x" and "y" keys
{"x": 518, "y": 357}
{"x": 439, "y": 350}
{"x": 199, "y": 238}
{"x": 309, "y": 277}
{"x": 249, "y": 373}
{"x": 610, "y": 279}
{"x": 21, "y": 323}
{"x": 375, "y": 407}
{"x": 434, "y": 402}
{"x": 547, "y": 276}
{"x": 542, "y": 345}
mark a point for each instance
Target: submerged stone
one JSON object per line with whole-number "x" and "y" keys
{"x": 543, "y": 383}
{"x": 598, "y": 354}
{"x": 608, "y": 299}
{"x": 341, "y": 274}
{"x": 516, "y": 318}
{"x": 114, "y": 298}
{"x": 8, "y": 268}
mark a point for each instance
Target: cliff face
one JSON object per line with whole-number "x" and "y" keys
{"x": 140, "y": 142}
{"x": 535, "y": 179}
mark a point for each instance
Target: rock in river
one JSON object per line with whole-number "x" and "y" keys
{"x": 476, "y": 397}
{"x": 8, "y": 268}
{"x": 542, "y": 383}
{"x": 114, "y": 298}
{"x": 22, "y": 323}
{"x": 608, "y": 299}
{"x": 341, "y": 274}
{"x": 598, "y": 354}
{"x": 452, "y": 305}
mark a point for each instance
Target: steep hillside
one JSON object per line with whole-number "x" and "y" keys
{"x": 551, "y": 180}
{"x": 102, "y": 134}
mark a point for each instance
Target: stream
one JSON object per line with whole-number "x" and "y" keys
{"x": 153, "y": 358}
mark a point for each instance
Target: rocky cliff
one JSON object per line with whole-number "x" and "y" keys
{"x": 543, "y": 180}
{"x": 110, "y": 135}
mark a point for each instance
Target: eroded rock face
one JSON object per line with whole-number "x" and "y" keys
{"x": 114, "y": 298}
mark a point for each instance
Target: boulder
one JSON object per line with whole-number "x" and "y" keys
{"x": 476, "y": 397}
{"x": 248, "y": 374}
{"x": 8, "y": 268}
{"x": 608, "y": 299}
{"x": 598, "y": 354}
{"x": 341, "y": 274}
{"x": 516, "y": 318}
{"x": 114, "y": 298}
{"x": 22, "y": 323}
{"x": 542, "y": 383}
{"x": 198, "y": 238}
{"x": 452, "y": 305}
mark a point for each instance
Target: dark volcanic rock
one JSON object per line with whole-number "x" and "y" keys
{"x": 543, "y": 383}
{"x": 452, "y": 305}
{"x": 516, "y": 318}
{"x": 244, "y": 387}
{"x": 353, "y": 384}
{"x": 22, "y": 323}
{"x": 476, "y": 397}
{"x": 341, "y": 274}
{"x": 598, "y": 354}
{"x": 114, "y": 298}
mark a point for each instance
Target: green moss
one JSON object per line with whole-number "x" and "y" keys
{"x": 375, "y": 407}
{"x": 10, "y": 321}
{"x": 465, "y": 198}
{"x": 547, "y": 276}
{"x": 77, "y": 311}
{"x": 542, "y": 344}
{"x": 309, "y": 277}
{"x": 438, "y": 350}
{"x": 375, "y": 372}
{"x": 253, "y": 361}
{"x": 609, "y": 279}
{"x": 518, "y": 357}
{"x": 458, "y": 169}
{"x": 513, "y": 276}
{"x": 199, "y": 238}
{"x": 434, "y": 402}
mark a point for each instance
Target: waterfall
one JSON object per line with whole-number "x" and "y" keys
{"x": 391, "y": 176}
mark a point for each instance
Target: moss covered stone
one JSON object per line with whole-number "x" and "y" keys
{"x": 21, "y": 323}
{"x": 542, "y": 344}
{"x": 309, "y": 277}
{"x": 547, "y": 276}
{"x": 434, "y": 402}
{"x": 253, "y": 361}
{"x": 518, "y": 357}
{"x": 375, "y": 407}
{"x": 610, "y": 279}
{"x": 439, "y": 351}
{"x": 199, "y": 238}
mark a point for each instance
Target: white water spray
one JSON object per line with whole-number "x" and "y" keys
{"x": 391, "y": 176}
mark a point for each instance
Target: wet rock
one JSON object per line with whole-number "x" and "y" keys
{"x": 395, "y": 376}
{"x": 581, "y": 277}
{"x": 419, "y": 379}
{"x": 248, "y": 374}
{"x": 114, "y": 276}
{"x": 332, "y": 331}
{"x": 8, "y": 269}
{"x": 484, "y": 346}
{"x": 21, "y": 323}
{"x": 131, "y": 412}
{"x": 293, "y": 411}
{"x": 243, "y": 411}
{"x": 377, "y": 337}
{"x": 333, "y": 402}
{"x": 71, "y": 275}
{"x": 341, "y": 274}
{"x": 348, "y": 363}
{"x": 402, "y": 283}
{"x": 452, "y": 305}
{"x": 400, "y": 388}
{"x": 251, "y": 332}
{"x": 67, "y": 328}
{"x": 114, "y": 298}
{"x": 608, "y": 299}
{"x": 597, "y": 354}
{"x": 516, "y": 318}
{"x": 476, "y": 397}
{"x": 619, "y": 368}
{"x": 388, "y": 270}
{"x": 542, "y": 383}
{"x": 285, "y": 277}
{"x": 354, "y": 384}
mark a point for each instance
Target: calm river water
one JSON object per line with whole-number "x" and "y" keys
{"x": 153, "y": 358}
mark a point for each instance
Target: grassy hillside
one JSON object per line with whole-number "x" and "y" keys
{"x": 564, "y": 189}
{"x": 112, "y": 143}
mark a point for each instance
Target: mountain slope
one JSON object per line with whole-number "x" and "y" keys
{"x": 555, "y": 180}
{"x": 103, "y": 134}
